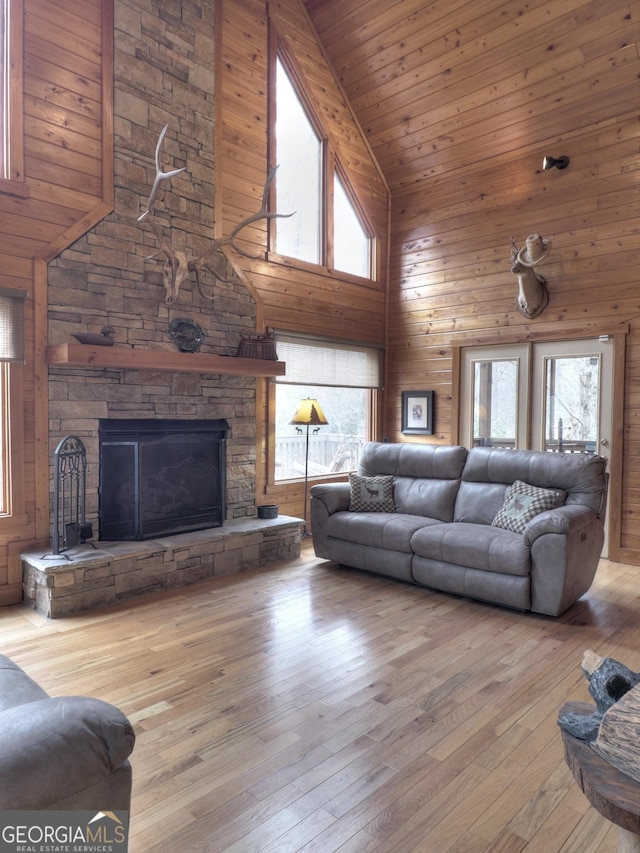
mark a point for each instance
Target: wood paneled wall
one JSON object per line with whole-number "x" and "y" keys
{"x": 452, "y": 285}
{"x": 67, "y": 125}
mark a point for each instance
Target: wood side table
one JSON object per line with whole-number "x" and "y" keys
{"x": 615, "y": 795}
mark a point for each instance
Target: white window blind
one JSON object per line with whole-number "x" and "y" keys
{"x": 318, "y": 361}
{"x": 12, "y": 325}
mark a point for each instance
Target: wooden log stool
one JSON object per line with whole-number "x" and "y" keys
{"x": 610, "y": 791}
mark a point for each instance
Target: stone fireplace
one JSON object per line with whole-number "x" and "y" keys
{"x": 112, "y": 276}
{"x": 91, "y": 403}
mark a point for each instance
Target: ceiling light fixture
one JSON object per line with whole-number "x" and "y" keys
{"x": 559, "y": 162}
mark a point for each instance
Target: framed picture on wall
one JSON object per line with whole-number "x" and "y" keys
{"x": 417, "y": 412}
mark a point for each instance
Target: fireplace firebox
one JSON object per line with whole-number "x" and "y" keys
{"x": 161, "y": 477}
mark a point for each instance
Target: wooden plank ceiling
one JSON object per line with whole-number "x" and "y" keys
{"x": 438, "y": 86}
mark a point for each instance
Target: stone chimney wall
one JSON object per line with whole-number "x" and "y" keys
{"x": 164, "y": 74}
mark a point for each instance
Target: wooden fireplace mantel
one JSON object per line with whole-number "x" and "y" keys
{"x": 83, "y": 355}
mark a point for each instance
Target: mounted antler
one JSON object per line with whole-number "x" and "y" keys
{"x": 177, "y": 267}
{"x": 204, "y": 261}
{"x": 160, "y": 175}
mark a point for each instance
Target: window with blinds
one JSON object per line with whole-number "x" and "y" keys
{"x": 12, "y": 325}
{"x": 331, "y": 363}
{"x": 12, "y": 351}
{"x": 343, "y": 377}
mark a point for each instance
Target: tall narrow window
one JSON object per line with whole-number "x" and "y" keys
{"x": 351, "y": 243}
{"x": 11, "y": 104}
{"x": 299, "y": 178}
{"x": 327, "y": 227}
{"x": 4, "y": 85}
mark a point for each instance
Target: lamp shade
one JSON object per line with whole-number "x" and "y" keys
{"x": 309, "y": 413}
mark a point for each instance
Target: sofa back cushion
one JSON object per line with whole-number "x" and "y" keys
{"x": 426, "y": 476}
{"x": 490, "y": 471}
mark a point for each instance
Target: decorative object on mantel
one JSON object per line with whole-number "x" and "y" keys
{"x": 533, "y": 296}
{"x": 257, "y": 346}
{"x": 104, "y": 339}
{"x": 178, "y": 267}
{"x": 186, "y": 334}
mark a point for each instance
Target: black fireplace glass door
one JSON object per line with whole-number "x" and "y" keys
{"x": 161, "y": 477}
{"x": 119, "y": 491}
{"x": 179, "y": 485}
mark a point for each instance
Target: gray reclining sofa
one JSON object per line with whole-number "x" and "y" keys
{"x": 519, "y": 528}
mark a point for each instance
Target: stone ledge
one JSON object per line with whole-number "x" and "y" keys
{"x": 86, "y": 577}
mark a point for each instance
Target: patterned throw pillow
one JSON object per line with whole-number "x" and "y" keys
{"x": 371, "y": 494}
{"x": 522, "y": 502}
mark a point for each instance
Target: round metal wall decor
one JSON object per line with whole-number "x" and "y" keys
{"x": 186, "y": 334}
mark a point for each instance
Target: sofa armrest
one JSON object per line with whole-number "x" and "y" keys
{"x": 564, "y": 520}
{"x": 335, "y": 496}
{"x": 55, "y": 748}
{"x": 326, "y": 499}
{"x": 566, "y": 544}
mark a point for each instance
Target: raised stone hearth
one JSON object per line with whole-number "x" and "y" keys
{"x": 55, "y": 586}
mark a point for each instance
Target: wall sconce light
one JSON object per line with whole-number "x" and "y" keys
{"x": 559, "y": 162}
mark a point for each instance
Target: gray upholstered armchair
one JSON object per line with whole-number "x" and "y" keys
{"x": 60, "y": 753}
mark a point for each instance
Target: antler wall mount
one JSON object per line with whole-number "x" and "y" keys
{"x": 178, "y": 266}
{"x": 533, "y": 296}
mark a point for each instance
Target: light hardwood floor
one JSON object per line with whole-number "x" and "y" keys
{"x": 308, "y": 708}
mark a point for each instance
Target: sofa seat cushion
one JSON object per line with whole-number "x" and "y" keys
{"x": 477, "y": 546}
{"x": 388, "y": 530}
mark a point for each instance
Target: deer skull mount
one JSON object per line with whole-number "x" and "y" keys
{"x": 178, "y": 266}
{"x": 533, "y": 296}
